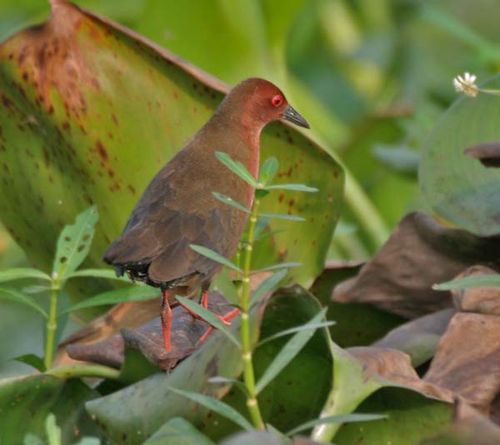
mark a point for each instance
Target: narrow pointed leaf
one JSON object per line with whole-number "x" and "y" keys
{"x": 279, "y": 266}
{"x": 209, "y": 253}
{"x": 283, "y": 216}
{"x": 132, "y": 293}
{"x": 268, "y": 170}
{"x": 292, "y": 187}
{"x": 347, "y": 418}
{"x": 290, "y": 331}
{"x": 268, "y": 285}
{"x": 74, "y": 243}
{"x": 223, "y": 283}
{"x": 216, "y": 405}
{"x": 209, "y": 317}
{"x": 22, "y": 273}
{"x": 228, "y": 381}
{"x": 288, "y": 353}
{"x": 237, "y": 168}
{"x": 18, "y": 297}
{"x": 97, "y": 273}
{"x": 469, "y": 282}
{"x": 31, "y": 360}
{"x": 230, "y": 201}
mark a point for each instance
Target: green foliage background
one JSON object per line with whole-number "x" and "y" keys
{"x": 371, "y": 76}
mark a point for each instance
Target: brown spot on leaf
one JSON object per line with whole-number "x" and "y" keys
{"x": 101, "y": 151}
{"x": 63, "y": 259}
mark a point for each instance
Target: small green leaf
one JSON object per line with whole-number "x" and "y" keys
{"x": 227, "y": 381}
{"x": 347, "y": 418}
{"x": 230, "y": 201}
{"x": 237, "y": 168}
{"x": 216, "y": 405}
{"x": 97, "y": 273}
{"x": 74, "y": 243}
{"x": 268, "y": 170}
{"x": 288, "y": 352}
{"x": 292, "y": 187}
{"x": 289, "y": 331}
{"x": 268, "y": 285}
{"x": 214, "y": 256}
{"x": 31, "y": 360}
{"x": 35, "y": 289}
{"x": 18, "y": 297}
{"x": 283, "y": 216}
{"x": 223, "y": 283}
{"x": 278, "y": 267}
{"x": 209, "y": 317}
{"x": 22, "y": 273}
{"x": 132, "y": 293}
{"x": 470, "y": 282}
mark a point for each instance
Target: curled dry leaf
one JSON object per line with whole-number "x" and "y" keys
{"x": 418, "y": 338}
{"x": 467, "y": 360}
{"x": 148, "y": 339}
{"x": 487, "y": 153}
{"x": 419, "y": 253}
{"x": 484, "y": 300}
{"x": 123, "y": 315}
{"x": 394, "y": 368}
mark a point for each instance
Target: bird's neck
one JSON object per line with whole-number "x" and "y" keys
{"x": 243, "y": 140}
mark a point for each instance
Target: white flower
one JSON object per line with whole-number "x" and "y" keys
{"x": 466, "y": 84}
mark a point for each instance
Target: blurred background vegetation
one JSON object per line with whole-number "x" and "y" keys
{"x": 371, "y": 76}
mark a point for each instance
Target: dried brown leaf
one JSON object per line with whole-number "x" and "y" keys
{"x": 186, "y": 332}
{"x": 487, "y": 153}
{"x": 418, "y": 338}
{"x": 394, "y": 367}
{"x": 419, "y": 253}
{"x": 467, "y": 360}
{"x": 483, "y": 300}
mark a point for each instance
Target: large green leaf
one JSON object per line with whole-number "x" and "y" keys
{"x": 25, "y": 403}
{"x": 178, "y": 431}
{"x": 457, "y": 187}
{"x": 130, "y": 415}
{"x": 91, "y": 111}
{"x": 298, "y": 392}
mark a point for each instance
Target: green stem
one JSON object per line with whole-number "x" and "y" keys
{"x": 51, "y": 326}
{"x": 245, "y": 331}
{"x": 74, "y": 371}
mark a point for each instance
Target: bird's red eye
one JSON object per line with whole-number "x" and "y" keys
{"x": 277, "y": 100}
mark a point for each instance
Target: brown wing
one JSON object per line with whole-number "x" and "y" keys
{"x": 162, "y": 227}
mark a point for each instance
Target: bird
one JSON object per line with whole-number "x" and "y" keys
{"x": 178, "y": 208}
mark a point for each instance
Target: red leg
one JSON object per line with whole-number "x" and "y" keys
{"x": 204, "y": 303}
{"x": 166, "y": 319}
{"x": 226, "y": 319}
{"x": 204, "y": 299}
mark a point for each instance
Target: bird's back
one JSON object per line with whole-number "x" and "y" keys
{"x": 178, "y": 209}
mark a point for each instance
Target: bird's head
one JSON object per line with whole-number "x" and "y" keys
{"x": 260, "y": 102}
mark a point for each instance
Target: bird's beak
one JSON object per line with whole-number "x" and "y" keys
{"x": 290, "y": 114}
